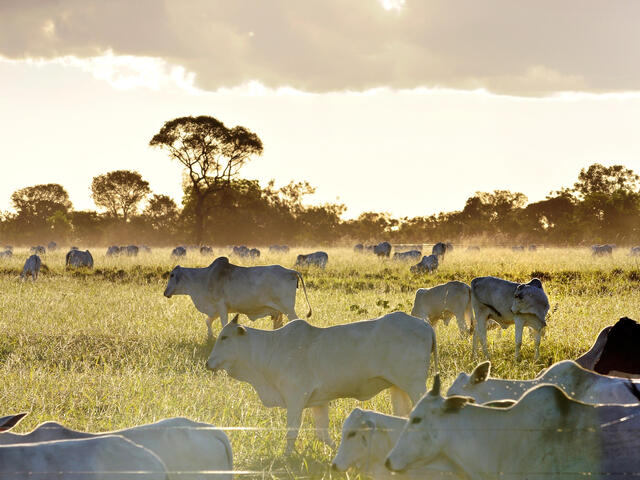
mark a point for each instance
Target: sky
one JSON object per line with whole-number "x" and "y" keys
{"x": 408, "y": 107}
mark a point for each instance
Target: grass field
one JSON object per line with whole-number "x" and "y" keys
{"x": 104, "y": 349}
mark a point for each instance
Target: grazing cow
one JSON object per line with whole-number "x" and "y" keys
{"x": 179, "y": 252}
{"x": 427, "y": 264}
{"x": 77, "y": 258}
{"x": 359, "y": 248}
{"x": 439, "y": 250}
{"x": 108, "y": 457}
{"x": 367, "y": 439}
{"x": 52, "y": 246}
{"x": 601, "y": 250}
{"x": 206, "y": 250}
{"x": 6, "y": 254}
{"x": 318, "y": 259}
{"x": 615, "y": 351}
{"x": 444, "y": 302}
{"x": 382, "y": 249}
{"x": 301, "y": 366}
{"x": 38, "y": 250}
{"x": 241, "y": 251}
{"x": 223, "y": 288}
{"x": 508, "y": 303}
{"x": 544, "y": 435}
{"x": 132, "y": 250}
{"x": 278, "y": 249}
{"x": 31, "y": 267}
{"x": 635, "y": 251}
{"x": 409, "y": 255}
{"x": 254, "y": 253}
{"x": 577, "y": 382}
{"x": 185, "y": 446}
{"x": 113, "y": 251}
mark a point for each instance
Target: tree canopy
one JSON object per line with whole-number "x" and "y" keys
{"x": 119, "y": 192}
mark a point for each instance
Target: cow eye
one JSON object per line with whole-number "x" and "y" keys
{"x": 224, "y": 337}
{"x": 351, "y": 434}
{"x": 416, "y": 420}
{"x": 171, "y": 275}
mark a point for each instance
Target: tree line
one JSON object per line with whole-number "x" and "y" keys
{"x": 220, "y": 207}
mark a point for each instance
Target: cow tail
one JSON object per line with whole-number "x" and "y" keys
{"x": 305, "y": 293}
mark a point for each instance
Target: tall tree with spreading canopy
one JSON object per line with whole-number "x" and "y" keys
{"x": 119, "y": 192}
{"x": 41, "y": 201}
{"x": 211, "y": 153}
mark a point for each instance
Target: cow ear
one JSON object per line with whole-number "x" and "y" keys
{"x": 453, "y": 404}
{"x": 7, "y": 423}
{"x": 235, "y": 318}
{"x": 481, "y": 372}
{"x": 241, "y": 330}
{"x": 435, "y": 390}
{"x": 535, "y": 282}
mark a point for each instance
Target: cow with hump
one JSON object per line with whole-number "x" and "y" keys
{"x": 544, "y": 435}
{"x": 223, "y": 288}
{"x": 301, "y": 366}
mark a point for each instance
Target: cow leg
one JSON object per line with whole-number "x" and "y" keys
{"x": 321, "y": 420}
{"x": 519, "y": 324}
{"x": 462, "y": 324}
{"x": 400, "y": 402}
{"x": 294, "y": 420}
{"x": 224, "y": 315}
{"x": 209, "y": 329}
{"x": 277, "y": 320}
{"x": 480, "y": 333}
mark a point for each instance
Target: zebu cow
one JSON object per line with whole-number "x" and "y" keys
{"x": 429, "y": 263}
{"x": 444, "y": 302}
{"x": 367, "y": 439}
{"x": 544, "y": 435}
{"x": 301, "y": 366}
{"x": 206, "y": 250}
{"x": 52, "y": 246}
{"x": 179, "y": 252}
{"x": 508, "y": 303}
{"x": 132, "y": 250}
{"x": 382, "y": 249}
{"x": 409, "y": 255}
{"x": 241, "y": 251}
{"x": 6, "y": 254}
{"x": 615, "y": 351}
{"x": 439, "y": 250}
{"x": 577, "y": 382}
{"x": 635, "y": 251}
{"x": 78, "y": 258}
{"x": 109, "y": 457}
{"x": 318, "y": 259}
{"x": 38, "y": 250}
{"x": 223, "y": 288}
{"x": 359, "y": 248}
{"x": 113, "y": 251}
{"x": 254, "y": 253}
{"x": 31, "y": 268}
{"x": 601, "y": 250}
{"x": 183, "y": 445}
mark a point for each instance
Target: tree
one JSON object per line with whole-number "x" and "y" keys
{"x": 607, "y": 180}
{"x": 161, "y": 212}
{"x": 119, "y": 192}
{"x": 39, "y": 202}
{"x": 211, "y": 153}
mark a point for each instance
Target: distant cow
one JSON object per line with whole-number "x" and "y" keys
{"x": 318, "y": 259}
{"x": 113, "y": 251}
{"x": 302, "y": 366}
{"x": 278, "y": 249}
{"x": 439, "y": 250}
{"x": 508, "y": 303}
{"x": 254, "y": 253}
{"x": 409, "y": 255}
{"x": 382, "y": 249}
{"x": 241, "y": 251}
{"x": 31, "y": 267}
{"x": 132, "y": 251}
{"x": 449, "y": 246}
{"x": 444, "y": 302}
{"x": 359, "y": 248}
{"x": 635, "y": 251}
{"x": 6, "y": 254}
{"x": 518, "y": 248}
{"x": 577, "y": 382}
{"x": 533, "y": 248}
{"x": 427, "y": 264}
{"x": 179, "y": 252}
{"x": 77, "y": 258}
{"x": 38, "y": 250}
{"x": 616, "y": 350}
{"x": 52, "y": 246}
{"x": 206, "y": 250}
{"x": 601, "y": 250}
{"x": 223, "y": 288}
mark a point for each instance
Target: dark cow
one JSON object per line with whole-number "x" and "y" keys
{"x": 206, "y": 250}
{"x": 254, "y": 253}
{"x": 241, "y": 251}
{"x": 359, "y": 248}
{"x": 439, "y": 249}
{"x": 616, "y": 350}
{"x": 382, "y": 249}
{"x": 602, "y": 250}
{"x": 179, "y": 252}
{"x": 409, "y": 255}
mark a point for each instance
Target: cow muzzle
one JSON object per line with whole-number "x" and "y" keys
{"x": 167, "y": 294}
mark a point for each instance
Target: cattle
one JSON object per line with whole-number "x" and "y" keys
{"x": 382, "y": 249}
{"x": 223, "y": 288}
{"x": 317, "y": 259}
{"x": 108, "y": 457}
{"x": 254, "y": 253}
{"x": 359, "y": 248}
{"x": 439, "y": 250}
{"x": 31, "y": 268}
{"x": 113, "y": 251}
{"x": 78, "y": 258}
{"x": 508, "y": 303}
{"x": 409, "y": 255}
{"x": 179, "y": 252}
{"x": 444, "y": 302}
{"x": 145, "y": 248}
{"x": 52, "y": 246}
{"x": 543, "y": 435}
{"x": 192, "y": 448}
{"x": 533, "y": 248}
{"x": 6, "y": 254}
{"x": 301, "y": 366}
{"x": 427, "y": 264}
{"x": 635, "y": 251}
{"x": 367, "y": 439}
{"x": 615, "y": 351}
{"x": 278, "y": 249}
{"x": 241, "y": 251}
{"x": 577, "y": 382}
{"x": 9, "y": 248}
{"x": 206, "y": 250}
{"x": 601, "y": 250}
{"x": 38, "y": 250}
{"x": 131, "y": 250}
{"x": 449, "y": 246}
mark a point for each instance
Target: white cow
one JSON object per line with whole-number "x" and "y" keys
{"x": 77, "y": 258}
{"x": 301, "y": 366}
{"x": 544, "y": 435}
{"x": 223, "y": 288}
{"x": 109, "y": 457}
{"x": 319, "y": 259}
{"x": 367, "y": 439}
{"x": 182, "y": 444}
{"x": 444, "y": 302}
{"x": 31, "y": 267}
{"x": 429, "y": 263}
{"x": 577, "y": 382}
{"x": 508, "y": 303}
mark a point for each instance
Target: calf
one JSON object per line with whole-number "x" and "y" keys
{"x": 444, "y": 302}
{"x": 318, "y": 259}
{"x": 427, "y": 264}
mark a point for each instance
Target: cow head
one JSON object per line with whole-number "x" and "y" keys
{"x": 10, "y": 421}
{"x": 228, "y": 347}
{"x": 356, "y": 444}
{"x": 173, "y": 285}
{"x": 531, "y": 301}
{"x": 300, "y": 260}
{"x": 470, "y": 385}
{"x": 427, "y": 431}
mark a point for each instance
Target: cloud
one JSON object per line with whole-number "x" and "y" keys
{"x": 503, "y": 46}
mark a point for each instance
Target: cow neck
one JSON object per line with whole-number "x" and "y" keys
{"x": 258, "y": 362}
